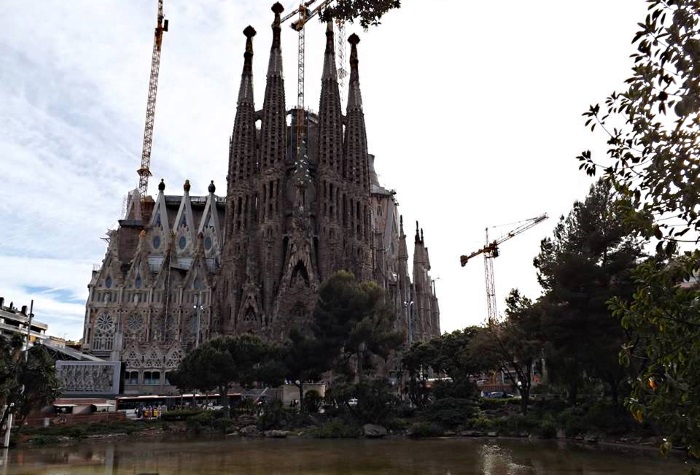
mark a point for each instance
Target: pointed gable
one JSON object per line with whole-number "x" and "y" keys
{"x": 159, "y": 227}
{"x": 209, "y": 226}
{"x": 184, "y": 228}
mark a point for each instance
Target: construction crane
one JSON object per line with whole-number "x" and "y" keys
{"x": 145, "y": 171}
{"x": 304, "y": 15}
{"x": 490, "y": 251}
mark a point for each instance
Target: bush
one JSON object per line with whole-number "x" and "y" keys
{"x": 180, "y": 414}
{"x": 462, "y": 389}
{"x": 425, "y": 429}
{"x": 41, "y": 440}
{"x": 572, "y": 420}
{"x": 336, "y": 429}
{"x": 481, "y": 423}
{"x": 548, "y": 429}
{"x": 518, "y": 424}
{"x": 450, "y": 413}
{"x": 274, "y": 416}
{"x": 312, "y": 401}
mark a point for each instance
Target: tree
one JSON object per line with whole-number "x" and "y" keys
{"x": 221, "y": 362}
{"x": 368, "y": 12}
{"x": 664, "y": 319}
{"x": 654, "y": 153}
{"x": 305, "y": 359}
{"x": 513, "y": 345}
{"x": 588, "y": 260}
{"x": 28, "y": 379}
{"x": 355, "y": 324}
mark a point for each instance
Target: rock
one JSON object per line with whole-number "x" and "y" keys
{"x": 250, "y": 431}
{"x": 277, "y": 434}
{"x": 373, "y": 431}
{"x": 591, "y": 438}
{"x": 492, "y": 434}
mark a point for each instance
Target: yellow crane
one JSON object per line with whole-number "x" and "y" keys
{"x": 490, "y": 251}
{"x": 144, "y": 171}
{"x": 304, "y": 14}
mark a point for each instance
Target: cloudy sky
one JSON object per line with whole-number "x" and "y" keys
{"x": 473, "y": 111}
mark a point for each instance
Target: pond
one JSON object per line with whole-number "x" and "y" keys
{"x": 448, "y": 456}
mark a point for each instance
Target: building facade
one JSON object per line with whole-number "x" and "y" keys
{"x": 302, "y": 202}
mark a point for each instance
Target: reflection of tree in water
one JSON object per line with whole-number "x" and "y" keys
{"x": 497, "y": 460}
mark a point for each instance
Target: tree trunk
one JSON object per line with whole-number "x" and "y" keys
{"x": 301, "y": 396}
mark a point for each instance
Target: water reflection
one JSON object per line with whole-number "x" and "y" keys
{"x": 328, "y": 457}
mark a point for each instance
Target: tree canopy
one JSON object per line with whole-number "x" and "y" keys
{"x": 355, "y": 324}
{"x": 588, "y": 260}
{"x": 221, "y": 362}
{"x": 28, "y": 379}
{"x": 367, "y": 12}
{"x": 652, "y": 124}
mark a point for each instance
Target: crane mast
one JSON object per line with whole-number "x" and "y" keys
{"x": 305, "y": 14}
{"x": 144, "y": 171}
{"x": 491, "y": 251}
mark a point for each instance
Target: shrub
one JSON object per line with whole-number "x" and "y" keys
{"x": 274, "y": 416}
{"x": 336, "y": 429}
{"x": 41, "y": 440}
{"x": 450, "y": 413}
{"x": 548, "y": 429}
{"x": 517, "y": 424}
{"x": 425, "y": 429}
{"x": 481, "y": 423}
{"x": 312, "y": 401}
{"x": 179, "y": 415}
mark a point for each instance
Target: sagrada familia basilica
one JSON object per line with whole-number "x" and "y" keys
{"x": 302, "y": 202}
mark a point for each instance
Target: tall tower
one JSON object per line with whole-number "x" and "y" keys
{"x": 239, "y": 256}
{"x": 330, "y": 165}
{"x": 356, "y": 195}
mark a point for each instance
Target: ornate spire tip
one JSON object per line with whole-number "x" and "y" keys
{"x": 249, "y": 31}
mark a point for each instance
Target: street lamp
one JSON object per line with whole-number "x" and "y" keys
{"x": 198, "y": 321}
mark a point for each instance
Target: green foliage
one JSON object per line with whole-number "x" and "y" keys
{"x": 220, "y": 362}
{"x": 180, "y": 414}
{"x": 654, "y": 159}
{"x": 43, "y": 440}
{"x": 425, "y": 429}
{"x": 336, "y": 429}
{"x": 450, "y": 413}
{"x": 519, "y": 424}
{"x": 312, "y": 401}
{"x": 373, "y": 401}
{"x": 27, "y": 379}
{"x": 663, "y": 318}
{"x": 274, "y": 416}
{"x": 449, "y": 354}
{"x": 354, "y": 323}
{"x": 589, "y": 260}
{"x": 547, "y": 429}
{"x": 512, "y": 345}
{"x": 367, "y": 12}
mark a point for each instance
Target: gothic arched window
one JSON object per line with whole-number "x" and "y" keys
{"x": 104, "y": 333}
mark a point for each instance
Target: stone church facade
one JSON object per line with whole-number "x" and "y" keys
{"x": 302, "y": 202}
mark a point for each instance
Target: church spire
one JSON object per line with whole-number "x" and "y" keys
{"x": 357, "y": 167}
{"x": 330, "y": 147}
{"x": 273, "y": 125}
{"x": 242, "y": 157}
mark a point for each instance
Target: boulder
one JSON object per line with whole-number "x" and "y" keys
{"x": 250, "y": 431}
{"x": 277, "y": 434}
{"x": 373, "y": 431}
